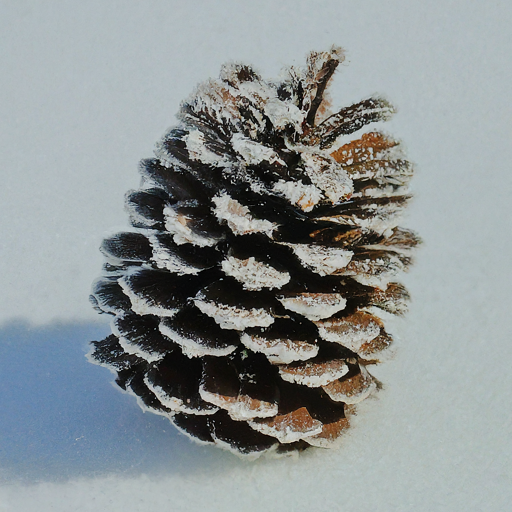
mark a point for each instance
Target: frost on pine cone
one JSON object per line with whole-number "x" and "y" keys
{"x": 248, "y": 302}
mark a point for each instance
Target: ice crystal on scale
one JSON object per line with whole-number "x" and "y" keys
{"x": 248, "y": 302}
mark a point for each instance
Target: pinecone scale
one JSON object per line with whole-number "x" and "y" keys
{"x": 250, "y": 297}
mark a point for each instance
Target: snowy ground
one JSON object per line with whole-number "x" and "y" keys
{"x": 87, "y": 88}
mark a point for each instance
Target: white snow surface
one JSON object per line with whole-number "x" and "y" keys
{"x": 89, "y": 87}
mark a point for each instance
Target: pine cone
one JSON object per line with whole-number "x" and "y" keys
{"x": 249, "y": 301}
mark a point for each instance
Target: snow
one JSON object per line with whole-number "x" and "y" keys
{"x": 165, "y": 259}
{"x": 327, "y": 175}
{"x": 280, "y": 350}
{"x": 234, "y": 317}
{"x": 283, "y": 114}
{"x": 191, "y": 347}
{"x": 239, "y": 218}
{"x": 298, "y": 193}
{"x": 254, "y": 275}
{"x": 314, "y": 306}
{"x": 175, "y": 404}
{"x": 348, "y": 334}
{"x": 194, "y": 141}
{"x": 322, "y": 260}
{"x": 314, "y": 374}
{"x": 177, "y": 225}
{"x": 285, "y": 432}
{"x": 252, "y": 152}
{"x": 142, "y": 306}
{"x": 89, "y": 88}
{"x": 240, "y": 408}
{"x": 129, "y": 348}
{"x": 355, "y": 395}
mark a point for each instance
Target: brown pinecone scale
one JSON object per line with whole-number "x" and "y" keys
{"x": 248, "y": 301}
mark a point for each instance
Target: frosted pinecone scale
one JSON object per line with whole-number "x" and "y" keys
{"x": 250, "y": 298}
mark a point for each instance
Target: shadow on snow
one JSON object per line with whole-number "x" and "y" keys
{"x": 61, "y": 417}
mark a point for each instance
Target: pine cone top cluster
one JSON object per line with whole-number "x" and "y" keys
{"x": 250, "y": 298}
